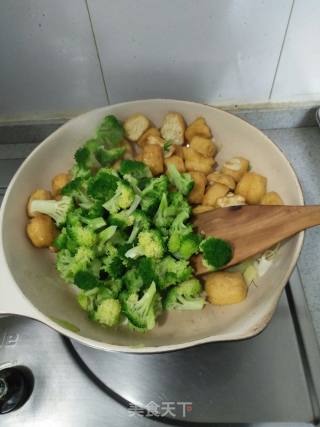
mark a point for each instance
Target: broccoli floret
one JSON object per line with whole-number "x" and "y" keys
{"x": 178, "y": 229}
{"x": 68, "y": 265}
{"x": 147, "y": 270}
{"x": 140, "y": 222}
{"x": 216, "y": 253}
{"x": 111, "y": 131}
{"x": 109, "y": 289}
{"x": 85, "y": 156}
{"x": 94, "y": 223}
{"x": 185, "y": 296}
{"x": 140, "y": 312}
{"x": 77, "y": 189}
{"x": 103, "y": 237}
{"x": 56, "y": 209}
{"x": 86, "y": 299}
{"x": 104, "y": 185}
{"x": 150, "y": 244}
{"x": 135, "y": 169}
{"x": 171, "y": 271}
{"x": 83, "y": 236}
{"x": 108, "y": 157}
{"x": 189, "y": 245}
{"x": 113, "y": 266}
{"x": 122, "y": 199}
{"x": 85, "y": 280}
{"x": 157, "y": 186}
{"x": 108, "y": 312}
{"x": 78, "y": 172}
{"x": 133, "y": 182}
{"x": 182, "y": 181}
{"x": 121, "y": 220}
{"x": 133, "y": 280}
{"x": 150, "y": 203}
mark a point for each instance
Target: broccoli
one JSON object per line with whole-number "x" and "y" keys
{"x": 185, "y": 296}
{"x": 171, "y": 271}
{"x": 77, "y": 189}
{"x": 178, "y": 229}
{"x": 133, "y": 182}
{"x": 108, "y": 312}
{"x": 140, "y": 312}
{"x": 86, "y": 299}
{"x": 189, "y": 245}
{"x": 182, "y": 181}
{"x": 85, "y": 156}
{"x": 111, "y": 132}
{"x": 133, "y": 280}
{"x": 104, "y": 185}
{"x": 78, "y": 172}
{"x": 108, "y": 157}
{"x": 122, "y": 199}
{"x": 150, "y": 244}
{"x": 83, "y": 236}
{"x": 68, "y": 265}
{"x": 86, "y": 280}
{"x": 147, "y": 271}
{"x": 109, "y": 289}
{"x": 157, "y": 186}
{"x": 150, "y": 203}
{"x": 135, "y": 169}
{"x": 94, "y": 223}
{"x": 113, "y": 266}
{"x": 104, "y": 236}
{"x": 56, "y": 209}
{"x": 121, "y": 220}
{"x": 216, "y": 253}
{"x": 140, "y": 222}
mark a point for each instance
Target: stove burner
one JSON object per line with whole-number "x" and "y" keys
{"x": 16, "y": 385}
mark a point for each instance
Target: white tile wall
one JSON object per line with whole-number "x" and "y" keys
{"x": 298, "y": 76}
{"x": 48, "y": 58}
{"x": 209, "y": 50}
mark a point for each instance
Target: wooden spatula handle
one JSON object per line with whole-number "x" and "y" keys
{"x": 253, "y": 229}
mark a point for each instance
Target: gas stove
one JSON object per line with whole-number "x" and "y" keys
{"x": 48, "y": 380}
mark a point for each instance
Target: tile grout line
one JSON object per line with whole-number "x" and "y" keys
{"x": 98, "y": 55}
{"x": 281, "y": 50}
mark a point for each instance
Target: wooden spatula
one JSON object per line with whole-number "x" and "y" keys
{"x": 253, "y": 229}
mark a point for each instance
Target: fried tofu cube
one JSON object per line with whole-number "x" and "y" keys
{"x": 142, "y": 141}
{"x": 39, "y": 194}
{"x": 178, "y": 150}
{"x": 135, "y": 126}
{"x": 224, "y": 288}
{"x": 177, "y": 161}
{"x": 41, "y": 231}
{"x": 152, "y": 156}
{"x": 197, "y": 162}
{"x": 204, "y": 146}
{"x": 58, "y": 182}
{"x": 230, "y": 200}
{"x": 198, "y": 127}
{"x": 199, "y": 186}
{"x": 236, "y": 168}
{"x": 201, "y": 209}
{"x": 222, "y": 179}
{"x": 252, "y": 187}
{"x": 271, "y": 198}
{"x": 213, "y": 193}
{"x": 173, "y": 128}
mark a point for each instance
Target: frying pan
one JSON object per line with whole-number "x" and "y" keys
{"x": 30, "y": 285}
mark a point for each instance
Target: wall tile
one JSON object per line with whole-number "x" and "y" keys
{"x": 298, "y": 76}
{"x": 48, "y": 61}
{"x": 210, "y": 50}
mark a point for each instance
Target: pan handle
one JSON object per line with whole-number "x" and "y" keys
{"x": 12, "y": 300}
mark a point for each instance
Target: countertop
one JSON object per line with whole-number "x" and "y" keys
{"x": 302, "y": 148}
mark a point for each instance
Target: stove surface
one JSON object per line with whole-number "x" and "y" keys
{"x": 270, "y": 378}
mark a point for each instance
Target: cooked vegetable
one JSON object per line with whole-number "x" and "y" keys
{"x": 56, "y": 209}
{"x": 39, "y": 194}
{"x": 182, "y": 181}
{"x": 185, "y": 296}
{"x": 216, "y": 253}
